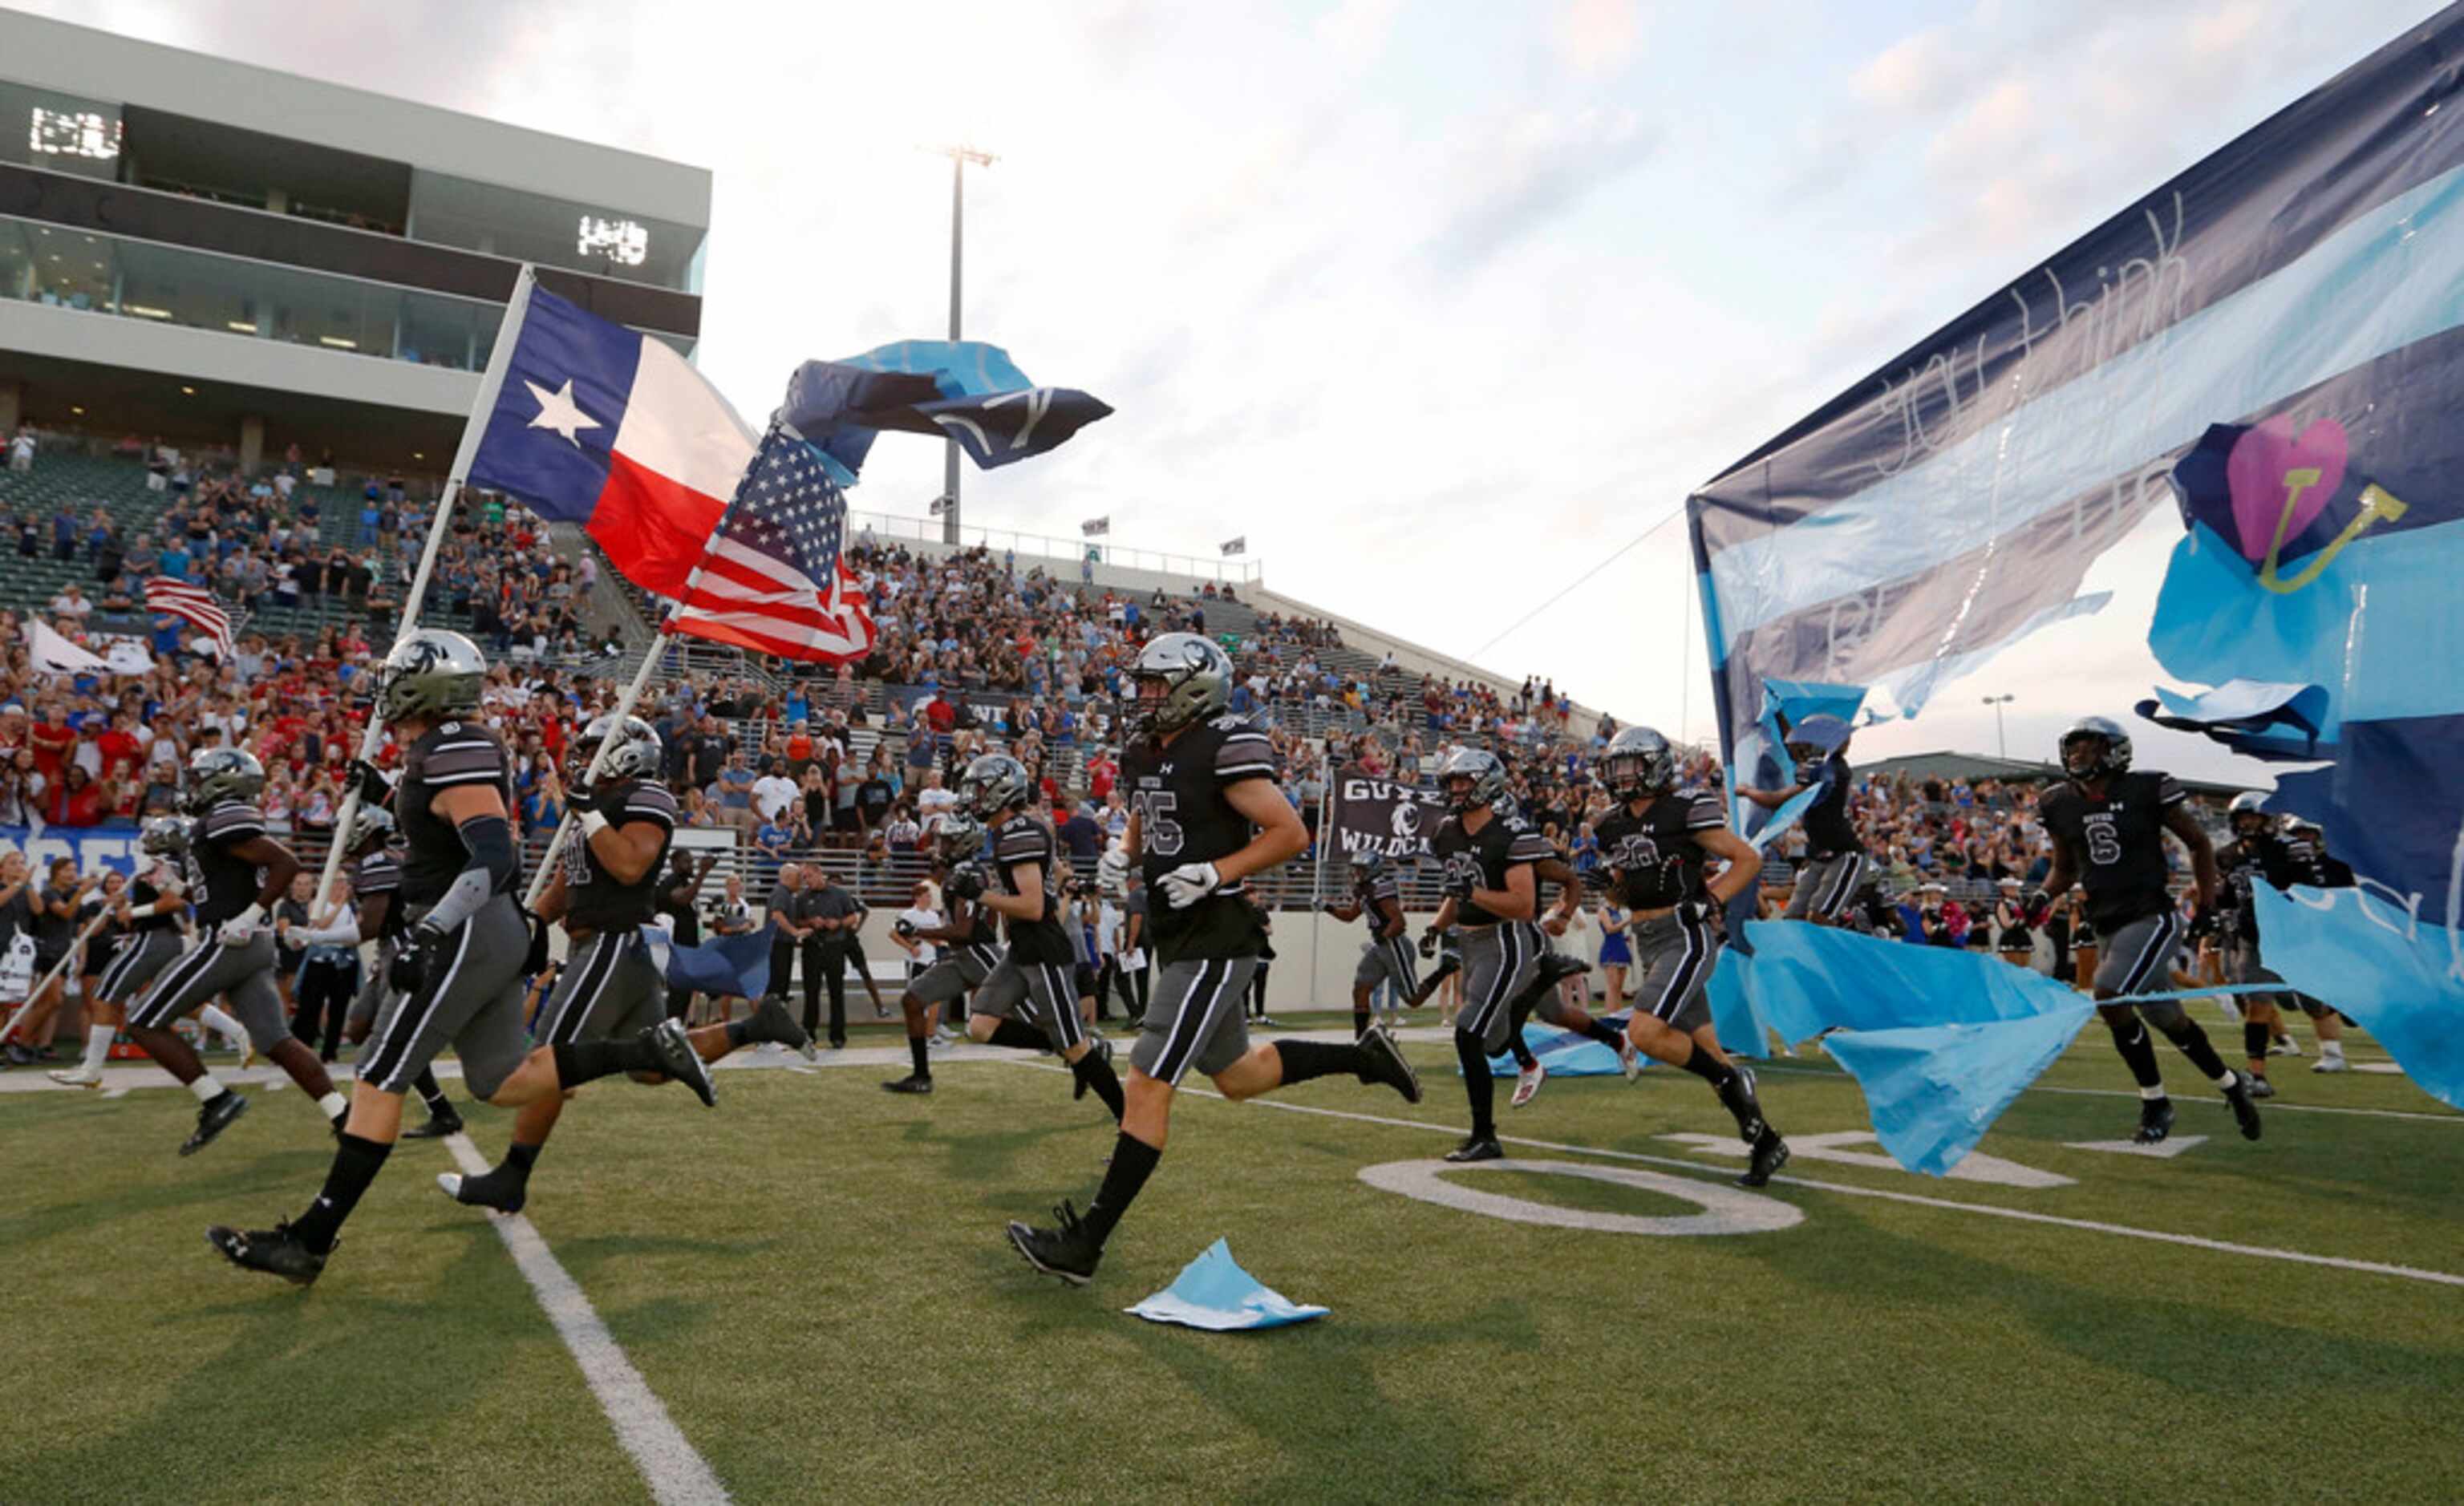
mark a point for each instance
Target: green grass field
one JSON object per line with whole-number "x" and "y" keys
{"x": 812, "y": 1280}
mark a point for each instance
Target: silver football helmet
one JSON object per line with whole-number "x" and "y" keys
{"x": 372, "y": 826}
{"x": 2094, "y": 747}
{"x": 165, "y": 837}
{"x": 634, "y": 753}
{"x": 1639, "y": 762}
{"x": 992, "y": 785}
{"x": 1486, "y": 773}
{"x": 432, "y": 674}
{"x": 962, "y": 838}
{"x": 216, "y": 775}
{"x": 1179, "y": 677}
{"x": 2252, "y": 805}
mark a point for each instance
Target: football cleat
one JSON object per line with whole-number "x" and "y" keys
{"x": 77, "y": 1078}
{"x": 2155, "y": 1122}
{"x": 2335, "y": 1063}
{"x": 1770, "y": 1153}
{"x": 1476, "y": 1148}
{"x": 913, "y": 1082}
{"x": 2285, "y": 1046}
{"x": 2259, "y": 1087}
{"x": 437, "y": 1126}
{"x": 212, "y": 1119}
{"x": 2245, "y": 1110}
{"x": 1386, "y": 1064}
{"x": 496, "y": 1187}
{"x": 772, "y": 1024}
{"x": 679, "y": 1059}
{"x": 1067, "y": 1251}
{"x": 274, "y": 1250}
{"x": 1526, "y": 1084}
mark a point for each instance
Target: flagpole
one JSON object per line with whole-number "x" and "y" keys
{"x": 598, "y": 762}
{"x": 500, "y": 362}
{"x": 57, "y": 969}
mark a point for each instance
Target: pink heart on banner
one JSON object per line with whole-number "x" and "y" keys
{"x": 2255, "y": 475}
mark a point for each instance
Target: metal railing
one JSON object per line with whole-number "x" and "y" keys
{"x": 1069, "y": 552}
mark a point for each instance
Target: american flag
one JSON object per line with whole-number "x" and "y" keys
{"x": 772, "y": 579}
{"x": 194, "y": 603}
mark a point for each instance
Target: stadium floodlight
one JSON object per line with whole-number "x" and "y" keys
{"x": 2001, "y": 744}
{"x": 959, "y": 157}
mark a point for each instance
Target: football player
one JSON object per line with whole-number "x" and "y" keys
{"x": 1033, "y": 975}
{"x": 235, "y": 873}
{"x": 1834, "y": 867}
{"x": 2306, "y": 851}
{"x": 970, "y": 942}
{"x": 149, "y": 909}
{"x": 1656, "y": 844}
{"x": 1206, "y": 815}
{"x": 1545, "y": 995}
{"x": 376, "y": 881}
{"x": 2255, "y": 855}
{"x": 605, "y": 890}
{"x": 457, "y": 974}
{"x": 1386, "y": 958}
{"x": 2108, "y": 825}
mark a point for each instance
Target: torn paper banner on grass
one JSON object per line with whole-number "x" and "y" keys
{"x": 1213, "y": 1293}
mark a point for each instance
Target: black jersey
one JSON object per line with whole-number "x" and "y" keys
{"x": 380, "y": 872}
{"x": 1655, "y": 856}
{"x": 595, "y": 899}
{"x": 1176, "y": 792}
{"x": 103, "y": 947}
{"x": 143, "y": 892}
{"x": 2118, "y": 842}
{"x": 1828, "y": 830}
{"x": 1485, "y": 857}
{"x": 2310, "y": 864}
{"x": 450, "y": 754}
{"x": 221, "y": 885}
{"x": 1024, "y": 842}
{"x": 1369, "y": 891}
{"x": 2244, "y": 861}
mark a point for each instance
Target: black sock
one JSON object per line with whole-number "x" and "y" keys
{"x": 438, "y": 1104}
{"x": 357, "y": 1160}
{"x": 2201, "y": 1051}
{"x": 1303, "y": 1060}
{"x": 1360, "y": 1022}
{"x": 1097, "y": 1072}
{"x": 2253, "y": 1041}
{"x": 1478, "y": 1086}
{"x": 923, "y": 1064}
{"x": 1133, "y": 1161}
{"x": 1708, "y": 1067}
{"x": 1606, "y": 1034}
{"x": 521, "y": 1157}
{"x": 1018, "y": 1036}
{"x": 2139, "y": 1053}
{"x": 739, "y": 1032}
{"x": 582, "y": 1062}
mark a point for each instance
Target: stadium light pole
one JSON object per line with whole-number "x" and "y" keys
{"x": 2001, "y": 744}
{"x": 959, "y": 157}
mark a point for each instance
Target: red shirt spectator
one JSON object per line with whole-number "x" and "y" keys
{"x": 52, "y": 741}
{"x": 1101, "y": 774}
{"x": 943, "y": 716}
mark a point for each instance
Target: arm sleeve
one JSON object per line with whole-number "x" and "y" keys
{"x": 490, "y": 869}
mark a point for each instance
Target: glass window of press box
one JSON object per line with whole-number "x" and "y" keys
{"x": 601, "y": 239}
{"x": 61, "y": 132}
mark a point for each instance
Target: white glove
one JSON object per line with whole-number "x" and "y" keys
{"x": 241, "y": 928}
{"x": 1190, "y": 883}
{"x": 1113, "y": 869}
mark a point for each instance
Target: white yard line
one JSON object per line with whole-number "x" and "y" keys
{"x": 2023, "y": 1215}
{"x": 673, "y": 1470}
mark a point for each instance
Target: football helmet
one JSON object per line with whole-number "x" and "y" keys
{"x": 2249, "y": 803}
{"x": 636, "y": 754}
{"x": 1639, "y": 762}
{"x": 433, "y": 674}
{"x": 962, "y": 838}
{"x": 165, "y": 837}
{"x": 371, "y": 828}
{"x": 992, "y": 785}
{"x": 1178, "y": 679}
{"x": 216, "y": 775}
{"x": 1484, "y": 775}
{"x": 2110, "y": 755}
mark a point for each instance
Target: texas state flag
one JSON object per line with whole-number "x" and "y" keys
{"x": 600, "y": 425}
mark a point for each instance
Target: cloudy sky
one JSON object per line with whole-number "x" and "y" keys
{"x": 1439, "y": 304}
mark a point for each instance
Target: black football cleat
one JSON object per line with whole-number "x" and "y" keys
{"x": 274, "y": 1250}
{"x": 1557, "y": 966}
{"x": 438, "y": 1128}
{"x": 770, "y": 1022}
{"x": 2244, "y": 1106}
{"x": 1737, "y": 1095}
{"x": 1067, "y": 1251}
{"x": 1386, "y": 1064}
{"x": 679, "y": 1059}
{"x": 213, "y": 1117}
{"x": 2259, "y": 1087}
{"x": 1476, "y": 1147}
{"x": 913, "y": 1082}
{"x": 2155, "y": 1122}
{"x": 1770, "y": 1153}
{"x": 498, "y": 1189}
